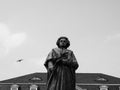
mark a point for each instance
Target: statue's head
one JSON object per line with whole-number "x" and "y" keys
{"x": 63, "y": 42}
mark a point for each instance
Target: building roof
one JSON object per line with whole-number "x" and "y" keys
{"x": 81, "y": 78}
{"x": 96, "y": 78}
{"x": 29, "y": 78}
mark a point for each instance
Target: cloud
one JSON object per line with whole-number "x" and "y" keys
{"x": 9, "y": 40}
{"x": 112, "y": 37}
{"x": 14, "y": 40}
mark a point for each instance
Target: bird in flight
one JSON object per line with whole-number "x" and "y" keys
{"x": 20, "y": 60}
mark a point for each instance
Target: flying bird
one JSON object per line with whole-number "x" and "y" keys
{"x": 20, "y": 60}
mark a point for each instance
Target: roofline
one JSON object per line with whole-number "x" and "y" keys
{"x": 96, "y": 84}
{"x": 25, "y": 83}
{"x": 76, "y": 84}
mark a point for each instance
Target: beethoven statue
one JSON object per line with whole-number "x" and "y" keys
{"x": 61, "y": 65}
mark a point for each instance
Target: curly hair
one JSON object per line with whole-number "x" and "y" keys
{"x": 58, "y": 42}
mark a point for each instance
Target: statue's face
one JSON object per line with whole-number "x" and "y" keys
{"x": 63, "y": 43}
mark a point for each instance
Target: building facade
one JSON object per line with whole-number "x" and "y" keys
{"x": 84, "y": 81}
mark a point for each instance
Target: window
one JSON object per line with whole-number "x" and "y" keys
{"x": 119, "y": 87}
{"x": 101, "y": 79}
{"x": 79, "y": 88}
{"x": 14, "y": 87}
{"x": 33, "y": 87}
{"x": 36, "y": 79}
{"x": 103, "y": 87}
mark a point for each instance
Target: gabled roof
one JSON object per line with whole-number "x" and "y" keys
{"x": 29, "y": 78}
{"x": 82, "y": 78}
{"x": 96, "y": 78}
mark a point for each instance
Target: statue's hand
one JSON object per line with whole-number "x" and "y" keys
{"x": 65, "y": 55}
{"x": 64, "y": 61}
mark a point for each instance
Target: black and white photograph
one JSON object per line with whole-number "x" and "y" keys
{"x": 59, "y": 44}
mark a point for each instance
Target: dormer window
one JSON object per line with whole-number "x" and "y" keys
{"x": 101, "y": 79}
{"x": 14, "y": 87}
{"x": 33, "y": 87}
{"x": 36, "y": 79}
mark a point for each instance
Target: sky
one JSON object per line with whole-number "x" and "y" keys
{"x": 29, "y": 30}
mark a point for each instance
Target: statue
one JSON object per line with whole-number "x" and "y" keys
{"x": 61, "y": 65}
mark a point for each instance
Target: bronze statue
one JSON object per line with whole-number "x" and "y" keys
{"x": 61, "y": 65}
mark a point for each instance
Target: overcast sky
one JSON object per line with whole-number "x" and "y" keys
{"x": 29, "y": 30}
